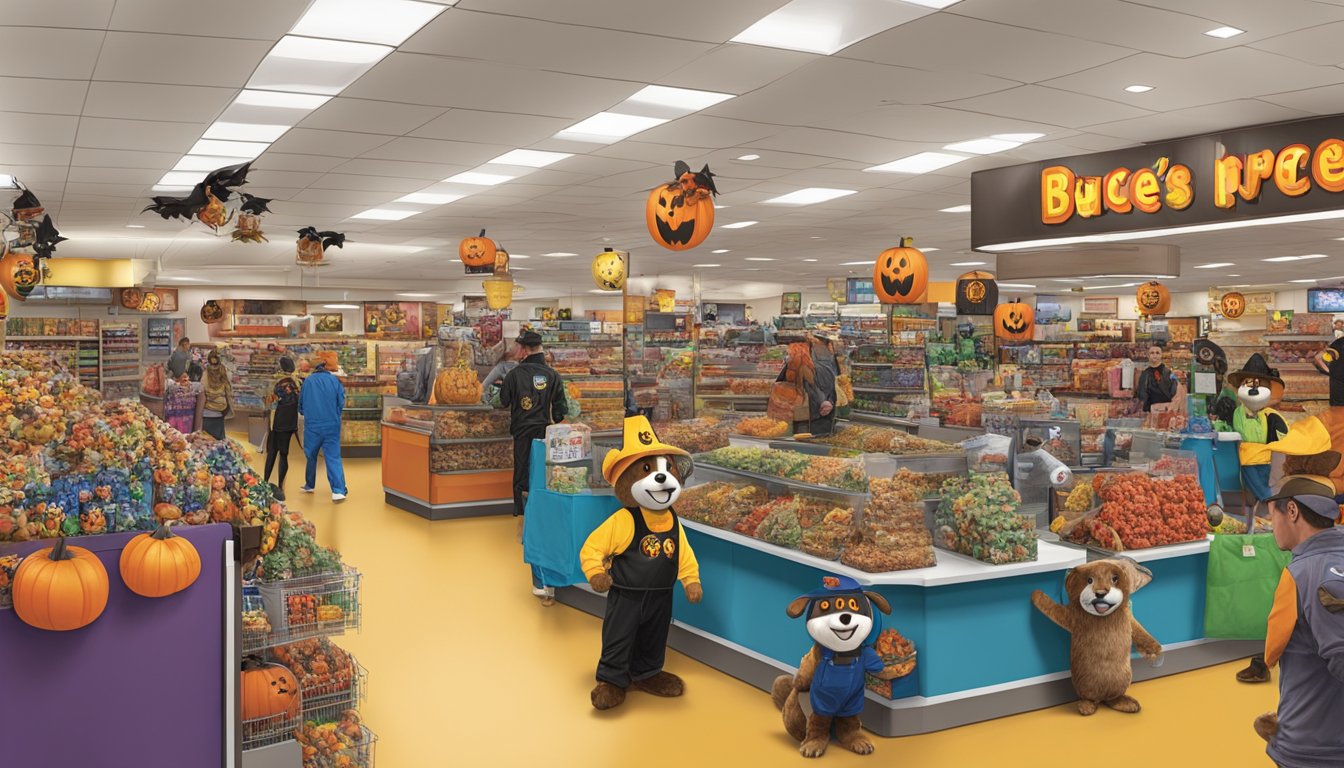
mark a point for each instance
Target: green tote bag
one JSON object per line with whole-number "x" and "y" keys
{"x": 1243, "y": 573}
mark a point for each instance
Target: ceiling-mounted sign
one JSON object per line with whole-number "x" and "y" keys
{"x": 1250, "y": 173}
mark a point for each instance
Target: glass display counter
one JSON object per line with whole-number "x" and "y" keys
{"x": 446, "y": 461}
{"x": 360, "y": 433}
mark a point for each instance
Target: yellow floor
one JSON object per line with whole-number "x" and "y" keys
{"x": 467, "y": 669}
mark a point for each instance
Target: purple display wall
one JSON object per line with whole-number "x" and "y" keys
{"x": 142, "y": 685}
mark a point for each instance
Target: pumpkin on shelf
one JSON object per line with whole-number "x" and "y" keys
{"x": 680, "y": 215}
{"x": 477, "y": 252}
{"x": 458, "y": 385}
{"x": 1014, "y": 321}
{"x": 269, "y": 692}
{"x": 60, "y": 588}
{"x": 977, "y": 293}
{"x": 1232, "y": 305}
{"x": 159, "y": 564}
{"x": 901, "y": 274}
{"x": 1153, "y": 298}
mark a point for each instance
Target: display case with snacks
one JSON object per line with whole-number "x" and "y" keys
{"x": 738, "y": 376}
{"x": 389, "y": 357}
{"x": 889, "y": 380}
{"x": 360, "y": 420}
{"x": 162, "y": 335}
{"x": 601, "y": 401}
{"x": 447, "y": 461}
{"x": 1292, "y": 355}
{"x": 121, "y": 354}
{"x": 76, "y": 342}
{"x": 659, "y": 364}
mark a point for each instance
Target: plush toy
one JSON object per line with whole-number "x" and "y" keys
{"x": 839, "y": 619}
{"x": 1103, "y": 627}
{"x": 639, "y": 554}
{"x": 1259, "y": 389}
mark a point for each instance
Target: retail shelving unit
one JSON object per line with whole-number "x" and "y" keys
{"x": 120, "y": 355}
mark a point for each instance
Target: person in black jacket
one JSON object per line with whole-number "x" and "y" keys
{"x": 535, "y": 397}
{"x": 1157, "y": 384}
{"x": 284, "y": 418}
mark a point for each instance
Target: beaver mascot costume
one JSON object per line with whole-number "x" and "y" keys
{"x": 639, "y": 554}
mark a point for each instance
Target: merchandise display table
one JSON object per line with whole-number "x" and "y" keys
{"x": 447, "y": 461}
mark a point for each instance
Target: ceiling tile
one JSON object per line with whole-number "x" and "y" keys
{"x": 737, "y": 68}
{"x": 1034, "y": 102}
{"x": 254, "y": 19}
{"x": 147, "y": 135}
{"x": 1260, "y": 20}
{"x": 835, "y": 144}
{"x": 118, "y": 158}
{"x": 1325, "y": 100}
{"x": 400, "y": 169}
{"x": 23, "y": 128}
{"x": 283, "y": 161}
{"x": 709, "y": 132}
{"x": 383, "y": 184}
{"x": 33, "y": 154}
{"x": 933, "y": 125}
{"x": 710, "y": 20}
{"x": 306, "y": 141}
{"x": 1315, "y": 45}
{"x": 68, "y": 14}
{"x": 143, "y": 101}
{"x": 341, "y": 196}
{"x": 53, "y": 97}
{"x": 436, "y": 151}
{"x": 1196, "y": 120}
{"x": 139, "y": 176}
{"x": 28, "y": 52}
{"x": 492, "y": 127}
{"x": 364, "y": 116}
{"x": 260, "y": 178}
{"x": 1105, "y": 21}
{"x": 178, "y": 59}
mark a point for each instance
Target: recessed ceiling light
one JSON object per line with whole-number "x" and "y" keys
{"x": 858, "y": 263}
{"x": 428, "y": 198}
{"x": 923, "y": 162}
{"x": 6, "y": 180}
{"x": 530, "y": 158}
{"x": 329, "y": 51}
{"x": 203, "y": 163}
{"x": 984, "y": 146}
{"x": 1016, "y": 285}
{"x": 418, "y": 295}
{"x": 956, "y": 209}
{"x": 518, "y": 269}
{"x": 280, "y": 99}
{"x": 966, "y": 263}
{"x": 310, "y": 65}
{"x": 759, "y": 258}
{"x": 930, "y": 250}
{"x": 749, "y": 157}
{"x": 187, "y": 179}
{"x": 1296, "y": 258}
{"x": 722, "y": 250}
{"x": 172, "y": 188}
{"x": 825, "y": 26}
{"x": 809, "y": 196}
{"x": 679, "y": 98}
{"x": 235, "y": 150}
{"x": 480, "y": 179}
{"x": 1234, "y": 275}
{"x": 1303, "y": 281}
{"x": 559, "y": 254}
{"x": 1215, "y": 265}
{"x": 389, "y": 22}
{"x": 809, "y": 259}
{"x": 384, "y": 214}
{"x": 341, "y": 306}
{"x": 1066, "y": 280}
{"x": 935, "y": 4}
{"x": 135, "y": 226}
{"x": 1138, "y": 88}
{"x": 704, "y": 265}
{"x": 1224, "y": 32}
{"x": 738, "y": 225}
{"x": 608, "y": 127}
{"x": 244, "y": 131}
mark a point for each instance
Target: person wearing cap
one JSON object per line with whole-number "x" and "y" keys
{"x": 1157, "y": 383}
{"x": 535, "y": 397}
{"x": 321, "y": 401}
{"x": 1305, "y": 634}
{"x": 283, "y": 418}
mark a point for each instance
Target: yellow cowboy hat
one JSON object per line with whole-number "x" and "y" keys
{"x": 640, "y": 440}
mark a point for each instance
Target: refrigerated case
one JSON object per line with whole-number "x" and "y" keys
{"x": 447, "y": 461}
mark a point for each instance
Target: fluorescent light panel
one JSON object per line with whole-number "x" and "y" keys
{"x": 1016, "y": 285}
{"x": 825, "y": 26}
{"x": 809, "y": 196}
{"x": 480, "y": 179}
{"x": 235, "y": 150}
{"x": 244, "y": 131}
{"x": 340, "y": 306}
{"x": 1138, "y": 88}
{"x": 704, "y": 265}
{"x": 923, "y": 162}
{"x": 389, "y": 22}
{"x": 722, "y": 250}
{"x": 608, "y": 127}
{"x": 1113, "y": 237}
{"x": 966, "y": 263}
{"x": 956, "y": 209}
{"x": 187, "y": 179}
{"x": 280, "y": 99}
{"x": 738, "y": 225}
{"x": 679, "y": 98}
{"x": 1312, "y": 280}
{"x": 1296, "y": 258}
{"x": 327, "y": 51}
{"x": 858, "y": 263}
{"x": 760, "y": 258}
{"x": 935, "y": 4}
{"x": 758, "y": 157}
{"x": 428, "y": 198}
{"x": 996, "y": 143}
{"x": 1215, "y": 265}
{"x": 1224, "y": 32}
{"x": 384, "y": 214}
{"x": 530, "y": 158}
{"x": 203, "y": 163}
{"x": 309, "y": 65}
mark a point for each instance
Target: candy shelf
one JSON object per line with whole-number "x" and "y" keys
{"x": 268, "y": 731}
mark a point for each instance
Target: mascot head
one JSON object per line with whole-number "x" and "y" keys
{"x": 1258, "y": 386}
{"x": 646, "y": 472}
{"x": 840, "y": 614}
{"x": 1102, "y": 587}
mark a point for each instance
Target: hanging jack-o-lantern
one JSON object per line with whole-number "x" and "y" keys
{"x": 4, "y": 305}
{"x": 977, "y": 293}
{"x": 1014, "y": 321}
{"x": 901, "y": 274}
{"x": 498, "y": 291}
{"x": 19, "y": 274}
{"x": 211, "y": 312}
{"x": 610, "y": 269}
{"x": 249, "y": 219}
{"x": 213, "y": 214}
{"x": 477, "y": 252}
{"x": 1232, "y": 305}
{"x": 311, "y": 249}
{"x": 1152, "y": 298}
{"x": 680, "y": 215}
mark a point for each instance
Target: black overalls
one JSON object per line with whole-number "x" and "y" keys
{"x": 535, "y": 397}
{"x": 639, "y": 605}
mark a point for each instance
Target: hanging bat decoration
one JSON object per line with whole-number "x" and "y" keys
{"x": 41, "y": 236}
{"x": 26, "y": 206}
{"x": 249, "y": 219}
{"x": 206, "y": 201}
{"x": 311, "y": 248}
{"x": 46, "y": 238}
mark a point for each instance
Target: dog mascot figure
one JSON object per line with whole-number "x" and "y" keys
{"x": 1259, "y": 389}
{"x": 840, "y": 620}
{"x": 639, "y": 554}
{"x": 1103, "y": 627}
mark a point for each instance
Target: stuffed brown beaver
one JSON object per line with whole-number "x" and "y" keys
{"x": 1103, "y": 627}
{"x": 639, "y": 554}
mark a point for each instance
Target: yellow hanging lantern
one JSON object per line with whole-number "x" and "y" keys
{"x": 498, "y": 291}
{"x": 610, "y": 269}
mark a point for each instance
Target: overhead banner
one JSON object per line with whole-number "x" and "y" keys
{"x": 1235, "y": 176}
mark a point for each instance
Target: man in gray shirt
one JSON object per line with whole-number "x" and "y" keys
{"x": 179, "y": 359}
{"x": 1306, "y": 627}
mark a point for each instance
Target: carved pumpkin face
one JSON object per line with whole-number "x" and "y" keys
{"x": 901, "y": 275}
{"x": 977, "y": 294}
{"x": 609, "y": 270}
{"x": 19, "y": 275}
{"x": 1233, "y": 305}
{"x": 679, "y": 219}
{"x": 1014, "y": 321}
{"x": 477, "y": 251}
{"x": 269, "y": 692}
{"x": 1153, "y": 298}
{"x": 211, "y": 312}
{"x": 310, "y": 253}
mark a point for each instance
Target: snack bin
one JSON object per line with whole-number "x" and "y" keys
{"x": 447, "y": 461}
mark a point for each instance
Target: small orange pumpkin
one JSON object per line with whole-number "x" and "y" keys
{"x": 1232, "y": 305}
{"x": 159, "y": 564}
{"x": 901, "y": 274}
{"x": 269, "y": 692}
{"x": 60, "y": 588}
{"x": 1153, "y": 298}
{"x": 477, "y": 251}
{"x": 1014, "y": 321}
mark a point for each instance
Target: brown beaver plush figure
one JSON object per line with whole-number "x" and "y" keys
{"x": 1103, "y": 627}
{"x": 638, "y": 555}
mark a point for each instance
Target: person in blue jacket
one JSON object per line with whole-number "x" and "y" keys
{"x": 320, "y": 403}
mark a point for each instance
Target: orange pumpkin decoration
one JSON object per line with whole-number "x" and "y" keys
{"x": 211, "y": 312}
{"x": 1014, "y": 321}
{"x": 270, "y": 692}
{"x": 477, "y": 251}
{"x": 159, "y": 564}
{"x": 132, "y": 298}
{"x": 19, "y": 274}
{"x": 4, "y": 305}
{"x": 680, "y": 215}
{"x": 901, "y": 274}
{"x": 60, "y": 588}
{"x": 1232, "y": 305}
{"x": 458, "y": 385}
{"x": 1153, "y": 298}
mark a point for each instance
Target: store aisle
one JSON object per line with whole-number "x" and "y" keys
{"x": 467, "y": 669}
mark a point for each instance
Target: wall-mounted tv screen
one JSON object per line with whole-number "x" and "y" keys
{"x": 1325, "y": 299}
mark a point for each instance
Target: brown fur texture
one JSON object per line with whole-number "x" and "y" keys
{"x": 1333, "y": 419}
{"x": 676, "y": 465}
{"x": 1320, "y": 464}
{"x": 606, "y": 696}
{"x": 1099, "y": 651}
{"x": 1267, "y": 725}
{"x": 662, "y": 684}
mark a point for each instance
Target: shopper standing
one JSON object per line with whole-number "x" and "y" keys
{"x": 494, "y": 380}
{"x": 179, "y": 359}
{"x": 812, "y": 365}
{"x": 218, "y": 396}
{"x": 182, "y": 401}
{"x": 1306, "y": 627}
{"x": 1157, "y": 383}
{"x": 284, "y": 422}
{"x": 321, "y": 401}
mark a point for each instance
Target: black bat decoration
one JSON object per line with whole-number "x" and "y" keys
{"x": 328, "y": 239}
{"x": 704, "y": 178}
{"x": 44, "y": 245}
{"x": 256, "y": 205}
{"x": 220, "y": 182}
